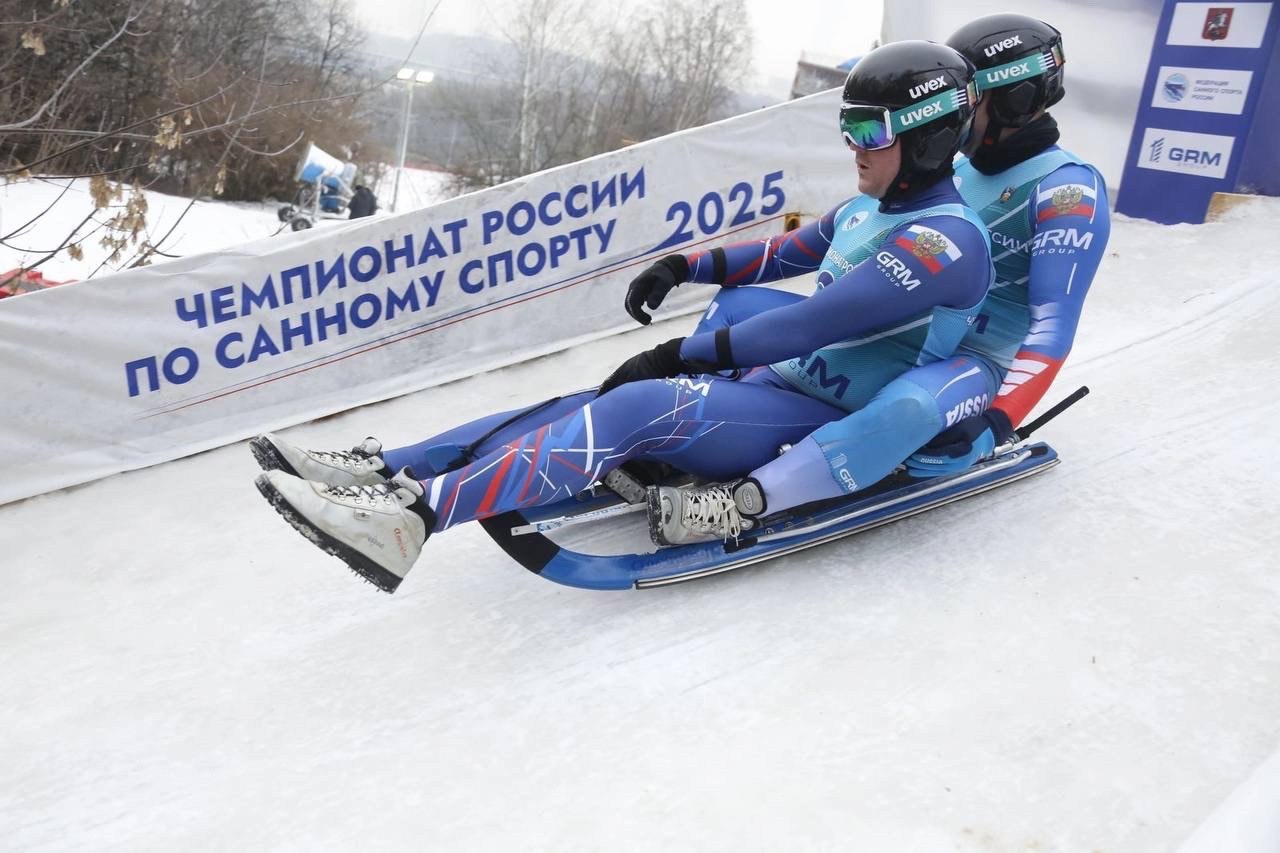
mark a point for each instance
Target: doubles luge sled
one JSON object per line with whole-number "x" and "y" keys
{"x": 785, "y": 533}
{"x": 522, "y": 534}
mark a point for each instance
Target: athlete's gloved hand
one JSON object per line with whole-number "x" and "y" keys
{"x": 653, "y": 285}
{"x": 658, "y": 363}
{"x": 956, "y": 448}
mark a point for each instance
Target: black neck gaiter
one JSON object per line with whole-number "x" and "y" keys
{"x": 1023, "y": 145}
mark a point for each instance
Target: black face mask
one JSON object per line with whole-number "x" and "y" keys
{"x": 1026, "y": 143}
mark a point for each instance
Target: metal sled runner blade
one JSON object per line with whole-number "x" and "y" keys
{"x": 549, "y": 524}
{"x": 786, "y": 533}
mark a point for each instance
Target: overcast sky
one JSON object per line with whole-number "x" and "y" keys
{"x": 783, "y": 28}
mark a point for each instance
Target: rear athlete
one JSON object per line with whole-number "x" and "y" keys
{"x": 1047, "y": 212}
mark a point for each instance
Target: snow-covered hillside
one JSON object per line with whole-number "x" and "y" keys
{"x": 1085, "y": 661}
{"x": 37, "y": 215}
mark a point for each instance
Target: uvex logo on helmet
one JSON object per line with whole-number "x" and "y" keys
{"x": 993, "y": 49}
{"x": 927, "y": 87}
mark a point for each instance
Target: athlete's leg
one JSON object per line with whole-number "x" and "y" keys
{"x": 864, "y": 447}
{"x": 462, "y": 444}
{"x": 368, "y": 463}
{"x": 735, "y": 304}
{"x": 442, "y": 452}
{"x": 705, "y": 426}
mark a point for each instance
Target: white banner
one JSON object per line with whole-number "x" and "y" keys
{"x": 157, "y": 363}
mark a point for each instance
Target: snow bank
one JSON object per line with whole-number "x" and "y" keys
{"x": 58, "y": 205}
{"x": 1248, "y": 820}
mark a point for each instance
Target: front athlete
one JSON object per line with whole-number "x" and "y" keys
{"x": 901, "y": 271}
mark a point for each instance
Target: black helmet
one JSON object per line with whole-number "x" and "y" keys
{"x": 919, "y": 92}
{"x": 1019, "y": 61}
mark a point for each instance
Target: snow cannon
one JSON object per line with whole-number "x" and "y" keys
{"x": 327, "y": 186}
{"x": 318, "y": 165}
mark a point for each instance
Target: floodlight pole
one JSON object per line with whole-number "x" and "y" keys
{"x": 410, "y": 78}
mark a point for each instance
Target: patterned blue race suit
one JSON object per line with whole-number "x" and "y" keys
{"x": 897, "y": 287}
{"x": 1049, "y": 227}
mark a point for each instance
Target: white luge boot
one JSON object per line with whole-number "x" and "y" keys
{"x": 378, "y": 530}
{"x": 680, "y": 516}
{"x": 362, "y": 465}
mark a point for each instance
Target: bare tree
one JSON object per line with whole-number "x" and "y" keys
{"x": 698, "y": 53}
{"x": 580, "y": 85}
{"x": 194, "y": 96}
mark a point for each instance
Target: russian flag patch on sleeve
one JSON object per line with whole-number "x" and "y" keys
{"x": 1066, "y": 200}
{"x": 934, "y": 249}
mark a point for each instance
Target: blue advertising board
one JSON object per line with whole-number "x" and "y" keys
{"x": 1209, "y": 118}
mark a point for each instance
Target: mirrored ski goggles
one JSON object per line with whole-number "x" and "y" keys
{"x": 871, "y": 128}
{"x": 866, "y": 127}
{"x": 1020, "y": 69}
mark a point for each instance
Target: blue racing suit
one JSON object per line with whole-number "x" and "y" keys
{"x": 1049, "y": 225}
{"x": 897, "y": 287}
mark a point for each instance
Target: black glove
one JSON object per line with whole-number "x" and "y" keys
{"x": 658, "y": 363}
{"x": 653, "y": 285}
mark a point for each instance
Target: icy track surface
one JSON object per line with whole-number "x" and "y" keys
{"x": 1085, "y": 661}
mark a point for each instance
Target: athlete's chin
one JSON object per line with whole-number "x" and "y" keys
{"x": 869, "y": 187}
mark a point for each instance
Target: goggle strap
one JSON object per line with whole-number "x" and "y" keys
{"x": 1001, "y": 75}
{"x": 923, "y": 112}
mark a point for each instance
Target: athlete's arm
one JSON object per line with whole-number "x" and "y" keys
{"x": 758, "y": 261}
{"x": 892, "y": 286}
{"x": 781, "y": 256}
{"x": 1071, "y": 225}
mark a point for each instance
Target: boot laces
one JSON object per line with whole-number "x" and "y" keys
{"x": 344, "y": 458}
{"x": 711, "y": 510}
{"x": 382, "y": 493}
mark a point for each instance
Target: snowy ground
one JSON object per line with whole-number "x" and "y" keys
{"x": 418, "y": 188}
{"x": 1085, "y": 661}
{"x": 206, "y": 226}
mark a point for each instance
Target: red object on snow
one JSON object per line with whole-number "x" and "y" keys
{"x": 18, "y": 280}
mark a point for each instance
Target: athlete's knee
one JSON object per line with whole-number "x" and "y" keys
{"x": 729, "y": 298}
{"x": 720, "y": 313}
{"x": 903, "y": 413}
{"x": 633, "y": 396}
{"x": 920, "y": 399}
{"x": 958, "y": 388}
{"x": 735, "y": 304}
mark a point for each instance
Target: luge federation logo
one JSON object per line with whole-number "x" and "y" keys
{"x": 1007, "y": 194}
{"x": 1068, "y": 200}
{"x": 1217, "y": 23}
{"x": 854, "y": 221}
{"x": 933, "y": 248}
{"x": 1174, "y": 88}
